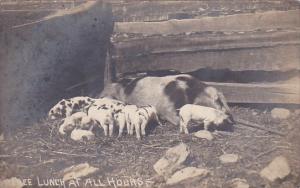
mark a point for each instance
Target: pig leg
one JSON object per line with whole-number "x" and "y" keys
{"x": 138, "y": 131}
{"x": 143, "y": 127}
{"x": 183, "y": 126}
{"x": 105, "y": 129}
{"x": 111, "y": 129}
{"x": 157, "y": 120}
{"x": 206, "y": 125}
{"x": 131, "y": 129}
{"x": 122, "y": 124}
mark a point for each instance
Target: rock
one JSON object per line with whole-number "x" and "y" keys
{"x": 79, "y": 135}
{"x": 11, "y": 183}
{"x": 277, "y": 169}
{"x": 186, "y": 173}
{"x": 204, "y": 134}
{"x": 172, "y": 160}
{"x": 78, "y": 171}
{"x": 280, "y": 113}
{"x": 239, "y": 183}
{"x": 229, "y": 158}
{"x": 2, "y": 137}
{"x": 297, "y": 112}
{"x": 254, "y": 113}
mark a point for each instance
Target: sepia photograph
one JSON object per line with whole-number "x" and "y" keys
{"x": 150, "y": 94}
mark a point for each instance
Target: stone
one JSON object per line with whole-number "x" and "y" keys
{"x": 78, "y": 171}
{"x": 254, "y": 113}
{"x": 2, "y": 137}
{"x": 204, "y": 134}
{"x": 80, "y": 135}
{"x": 229, "y": 158}
{"x": 297, "y": 112}
{"x": 11, "y": 183}
{"x": 172, "y": 160}
{"x": 186, "y": 173}
{"x": 280, "y": 113}
{"x": 238, "y": 183}
{"x": 277, "y": 169}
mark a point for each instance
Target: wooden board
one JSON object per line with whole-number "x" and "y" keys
{"x": 241, "y": 22}
{"x": 279, "y": 58}
{"x": 260, "y": 93}
{"x": 149, "y": 11}
{"x": 257, "y": 41}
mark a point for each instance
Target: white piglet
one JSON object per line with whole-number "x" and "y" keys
{"x": 131, "y": 117}
{"x": 149, "y": 113}
{"x": 70, "y": 122}
{"x": 205, "y": 114}
{"x": 79, "y": 135}
{"x": 138, "y": 118}
{"x": 103, "y": 117}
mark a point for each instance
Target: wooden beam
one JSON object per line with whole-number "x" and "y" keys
{"x": 241, "y": 22}
{"x": 149, "y": 11}
{"x": 260, "y": 93}
{"x": 197, "y": 42}
{"x": 277, "y": 58}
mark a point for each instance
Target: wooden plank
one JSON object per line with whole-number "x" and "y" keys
{"x": 260, "y": 93}
{"x": 138, "y": 11}
{"x": 136, "y": 46}
{"x": 258, "y": 41}
{"x": 39, "y": 4}
{"x": 279, "y": 58}
{"x": 241, "y": 22}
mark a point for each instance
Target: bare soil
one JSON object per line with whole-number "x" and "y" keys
{"x": 39, "y": 151}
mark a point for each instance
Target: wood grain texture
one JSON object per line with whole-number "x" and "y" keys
{"x": 149, "y": 11}
{"x": 267, "y": 58}
{"x": 241, "y": 22}
{"x": 260, "y": 93}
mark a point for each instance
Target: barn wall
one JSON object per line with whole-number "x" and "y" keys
{"x": 236, "y": 46}
{"x": 39, "y": 62}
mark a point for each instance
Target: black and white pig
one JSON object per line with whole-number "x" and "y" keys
{"x": 66, "y": 107}
{"x": 166, "y": 94}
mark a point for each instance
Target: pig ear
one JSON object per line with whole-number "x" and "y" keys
{"x": 62, "y": 102}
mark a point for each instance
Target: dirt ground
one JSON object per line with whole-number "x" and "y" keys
{"x": 38, "y": 151}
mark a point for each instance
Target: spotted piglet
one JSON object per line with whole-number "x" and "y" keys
{"x": 138, "y": 118}
{"x": 66, "y": 107}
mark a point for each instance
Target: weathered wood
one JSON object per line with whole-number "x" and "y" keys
{"x": 260, "y": 93}
{"x": 268, "y": 59}
{"x": 257, "y": 41}
{"x": 197, "y": 42}
{"x": 241, "y": 22}
{"x": 131, "y": 11}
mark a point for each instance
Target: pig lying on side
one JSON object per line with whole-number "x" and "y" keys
{"x": 166, "y": 93}
{"x": 78, "y": 119}
{"x": 79, "y": 135}
{"x": 207, "y": 115}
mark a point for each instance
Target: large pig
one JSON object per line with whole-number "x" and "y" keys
{"x": 166, "y": 93}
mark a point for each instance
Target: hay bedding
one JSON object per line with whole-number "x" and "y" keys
{"x": 39, "y": 151}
